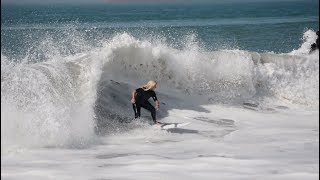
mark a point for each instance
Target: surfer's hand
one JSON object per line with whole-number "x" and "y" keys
{"x": 157, "y": 107}
{"x": 133, "y": 101}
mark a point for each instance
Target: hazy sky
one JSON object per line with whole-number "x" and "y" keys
{"x": 122, "y": 1}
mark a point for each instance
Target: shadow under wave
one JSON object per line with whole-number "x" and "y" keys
{"x": 113, "y": 108}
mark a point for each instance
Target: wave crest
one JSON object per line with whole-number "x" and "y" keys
{"x": 51, "y": 103}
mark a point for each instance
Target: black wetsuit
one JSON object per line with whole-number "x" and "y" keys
{"x": 142, "y": 97}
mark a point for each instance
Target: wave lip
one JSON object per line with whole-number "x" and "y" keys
{"x": 223, "y": 74}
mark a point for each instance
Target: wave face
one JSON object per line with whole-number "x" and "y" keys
{"x": 223, "y": 75}
{"x": 57, "y": 101}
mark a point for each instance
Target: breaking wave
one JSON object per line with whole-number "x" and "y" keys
{"x": 56, "y": 101}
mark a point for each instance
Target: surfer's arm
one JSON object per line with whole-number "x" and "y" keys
{"x": 156, "y": 100}
{"x": 157, "y": 104}
{"x": 134, "y": 95}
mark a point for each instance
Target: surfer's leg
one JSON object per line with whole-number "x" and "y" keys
{"x": 150, "y": 108}
{"x": 136, "y": 110}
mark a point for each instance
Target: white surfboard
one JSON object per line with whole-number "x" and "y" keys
{"x": 173, "y": 125}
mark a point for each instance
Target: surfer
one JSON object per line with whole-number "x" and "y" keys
{"x": 315, "y": 45}
{"x": 140, "y": 98}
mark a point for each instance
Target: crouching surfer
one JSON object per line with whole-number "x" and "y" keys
{"x": 140, "y": 98}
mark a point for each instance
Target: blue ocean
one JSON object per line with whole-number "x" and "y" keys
{"x": 254, "y": 26}
{"x": 239, "y": 73}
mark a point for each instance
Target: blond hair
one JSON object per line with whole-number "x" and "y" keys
{"x": 150, "y": 85}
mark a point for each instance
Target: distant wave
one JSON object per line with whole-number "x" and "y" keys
{"x": 168, "y": 23}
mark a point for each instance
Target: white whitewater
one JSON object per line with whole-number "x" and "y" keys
{"x": 252, "y": 115}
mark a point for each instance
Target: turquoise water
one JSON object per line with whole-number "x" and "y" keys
{"x": 260, "y": 27}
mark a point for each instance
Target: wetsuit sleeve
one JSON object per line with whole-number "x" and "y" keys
{"x": 154, "y": 96}
{"x": 139, "y": 91}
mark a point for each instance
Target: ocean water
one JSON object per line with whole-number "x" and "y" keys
{"x": 241, "y": 73}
